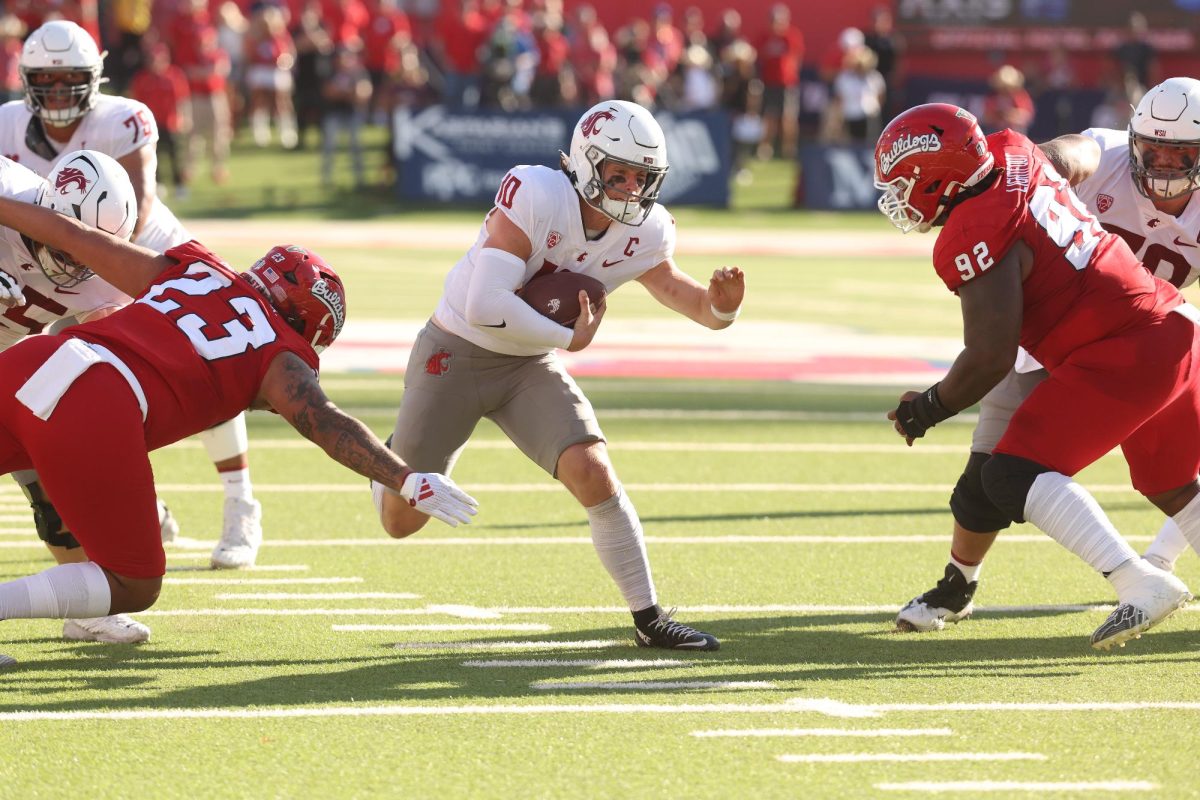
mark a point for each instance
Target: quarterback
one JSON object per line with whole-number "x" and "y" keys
{"x": 222, "y": 342}
{"x": 1033, "y": 268}
{"x": 486, "y": 353}
{"x": 1139, "y": 184}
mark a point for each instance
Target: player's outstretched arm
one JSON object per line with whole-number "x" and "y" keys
{"x": 715, "y": 306}
{"x": 1076, "y": 157}
{"x": 126, "y": 266}
{"x": 291, "y": 389}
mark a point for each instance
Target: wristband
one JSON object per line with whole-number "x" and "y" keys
{"x": 725, "y": 316}
{"x": 922, "y": 412}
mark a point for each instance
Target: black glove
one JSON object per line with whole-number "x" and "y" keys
{"x": 922, "y": 412}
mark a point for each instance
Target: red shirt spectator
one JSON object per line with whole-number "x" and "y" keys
{"x": 345, "y": 20}
{"x": 461, "y": 31}
{"x": 554, "y": 48}
{"x": 781, "y": 50}
{"x": 380, "y": 48}
{"x": 208, "y": 71}
{"x": 162, "y": 86}
{"x": 184, "y": 30}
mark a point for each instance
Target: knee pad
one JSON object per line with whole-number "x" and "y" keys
{"x": 1007, "y": 480}
{"x": 46, "y": 519}
{"x": 969, "y": 503}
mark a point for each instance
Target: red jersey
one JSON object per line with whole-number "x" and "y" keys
{"x": 199, "y": 341}
{"x": 1085, "y": 284}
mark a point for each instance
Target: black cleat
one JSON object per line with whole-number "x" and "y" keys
{"x": 949, "y": 601}
{"x": 666, "y": 633}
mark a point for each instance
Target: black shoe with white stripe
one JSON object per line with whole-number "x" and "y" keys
{"x": 664, "y": 632}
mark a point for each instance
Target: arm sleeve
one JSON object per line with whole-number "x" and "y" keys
{"x": 492, "y": 302}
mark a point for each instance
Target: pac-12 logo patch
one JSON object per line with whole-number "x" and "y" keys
{"x": 553, "y": 239}
{"x": 438, "y": 364}
{"x": 1103, "y": 202}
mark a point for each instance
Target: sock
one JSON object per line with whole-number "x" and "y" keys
{"x": 617, "y": 537}
{"x": 77, "y": 591}
{"x": 969, "y": 569}
{"x": 1167, "y": 546}
{"x": 647, "y": 616}
{"x": 237, "y": 484}
{"x": 1188, "y": 521}
{"x": 1065, "y": 511}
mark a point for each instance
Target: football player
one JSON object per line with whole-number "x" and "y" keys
{"x": 222, "y": 342}
{"x": 63, "y": 110}
{"x": 1032, "y": 267}
{"x": 1139, "y": 183}
{"x": 485, "y": 353}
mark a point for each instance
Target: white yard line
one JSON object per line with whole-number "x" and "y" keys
{"x": 171, "y": 553}
{"x": 584, "y": 663}
{"x": 512, "y": 626}
{"x": 846, "y": 758}
{"x": 317, "y": 596}
{"x": 967, "y": 787}
{"x": 582, "y": 644}
{"x": 258, "y": 581}
{"x": 648, "y": 686}
{"x": 661, "y": 447}
{"x": 821, "y": 733}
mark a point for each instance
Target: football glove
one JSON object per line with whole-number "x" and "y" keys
{"x": 436, "y": 495}
{"x": 10, "y": 291}
{"x": 922, "y": 412}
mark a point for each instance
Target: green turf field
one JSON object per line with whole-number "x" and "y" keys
{"x": 495, "y": 660}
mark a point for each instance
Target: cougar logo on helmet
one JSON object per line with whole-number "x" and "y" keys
{"x": 69, "y": 177}
{"x": 905, "y": 146}
{"x": 593, "y": 123}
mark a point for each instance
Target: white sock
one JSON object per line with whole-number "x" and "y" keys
{"x": 237, "y": 484}
{"x": 77, "y": 591}
{"x": 1167, "y": 546}
{"x": 969, "y": 571}
{"x": 617, "y": 537}
{"x": 1188, "y": 521}
{"x": 1065, "y": 511}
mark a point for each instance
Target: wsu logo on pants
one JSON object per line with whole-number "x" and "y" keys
{"x": 438, "y": 364}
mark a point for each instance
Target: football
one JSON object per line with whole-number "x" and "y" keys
{"x": 556, "y": 295}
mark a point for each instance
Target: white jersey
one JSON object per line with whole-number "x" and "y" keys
{"x": 1168, "y": 246}
{"x": 45, "y": 302}
{"x": 116, "y": 126}
{"x": 544, "y": 205}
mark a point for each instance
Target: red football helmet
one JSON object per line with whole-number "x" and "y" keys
{"x": 924, "y": 158}
{"x": 305, "y": 291}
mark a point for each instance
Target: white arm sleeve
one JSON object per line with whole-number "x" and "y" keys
{"x": 492, "y": 303}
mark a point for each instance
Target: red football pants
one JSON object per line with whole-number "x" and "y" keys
{"x": 91, "y": 458}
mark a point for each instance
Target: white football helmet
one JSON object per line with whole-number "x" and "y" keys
{"x": 94, "y": 189}
{"x": 626, "y": 133}
{"x": 56, "y": 48}
{"x": 1166, "y": 128}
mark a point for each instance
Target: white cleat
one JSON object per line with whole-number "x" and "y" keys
{"x": 168, "y": 526}
{"x": 241, "y": 535}
{"x": 919, "y": 617}
{"x": 113, "y": 629}
{"x": 1147, "y": 596}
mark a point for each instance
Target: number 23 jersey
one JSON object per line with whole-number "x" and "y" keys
{"x": 1085, "y": 283}
{"x": 199, "y": 340}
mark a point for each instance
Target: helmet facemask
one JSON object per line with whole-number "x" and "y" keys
{"x": 629, "y": 207}
{"x": 45, "y": 93}
{"x": 1164, "y": 169}
{"x": 59, "y": 268}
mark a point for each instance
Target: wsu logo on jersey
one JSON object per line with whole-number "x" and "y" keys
{"x": 69, "y": 177}
{"x": 438, "y": 364}
{"x": 332, "y": 301}
{"x": 553, "y": 239}
{"x": 905, "y": 146}
{"x": 592, "y": 124}
{"x": 1103, "y": 202}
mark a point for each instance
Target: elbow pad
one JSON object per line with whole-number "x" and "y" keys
{"x": 493, "y": 304}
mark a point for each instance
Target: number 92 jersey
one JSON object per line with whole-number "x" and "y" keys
{"x": 1167, "y": 246}
{"x": 1085, "y": 283}
{"x": 199, "y": 340}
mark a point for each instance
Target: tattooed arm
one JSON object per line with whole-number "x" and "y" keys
{"x": 291, "y": 389}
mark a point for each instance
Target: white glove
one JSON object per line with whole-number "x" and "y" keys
{"x": 436, "y": 495}
{"x": 10, "y": 291}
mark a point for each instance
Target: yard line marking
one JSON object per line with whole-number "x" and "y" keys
{"x": 318, "y": 596}
{"x": 649, "y": 686}
{"x": 256, "y": 568}
{"x": 658, "y": 447}
{"x": 513, "y": 626}
{"x": 296, "y": 612}
{"x": 845, "y": 758}
{"x": 584, "y": 663}
{"x": 583, "y": 644}
{"x": 1018, "y": 786}
{"x": 14, "y": 517}
{"x": 836, "y": 708}
{"x": 258, "y": 581}
{"x": 821, "y": 732}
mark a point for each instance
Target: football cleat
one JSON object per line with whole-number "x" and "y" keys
{"x": 168, "y": 526}
{"x": 666, "y": 633}
{"x": 113, "y": 629}
{"x": 241, "y": 536}
{"x": 1147, "y": 596}
{"x": 949, "y": 601}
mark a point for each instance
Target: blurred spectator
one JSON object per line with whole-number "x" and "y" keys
{"x": 509, "y": 61}
{"x": 593, "y": 56}
{"x": 554, "y": 80}
{"x": 741, "y": 96}
{"x": 270, "y": 53}
{"x": 163, "y": 87}
{"x": 1008, "y": 105}
{"x": 886, "y": 46}
{"x": 1114, "y": 111}
{"x": 314, "y": 57}
{"x": 640, "y": 71}
{"x": 385, "y": 34}
{"x": 700, "y": 88}
{"x": 345, "y": 20}
{"x": 835, "y": 54}
{"x": 1136, "y": 56}
{"x": 780, "y": 53}
{"x": 12, "y": 35}
{"x": 858, "y": 93}
{"x": 231, "y": 37}
{"x": 728, "y": 31}
{"x": 131, "y": 19}
{"x": 408, "y": 85}
{"x": 693, "y": 28}
{"x": 666, "y": 40}
{"x": 347, "y": 93}
{"x": 459, "y": 36}
{"x": 212, "y": 124}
